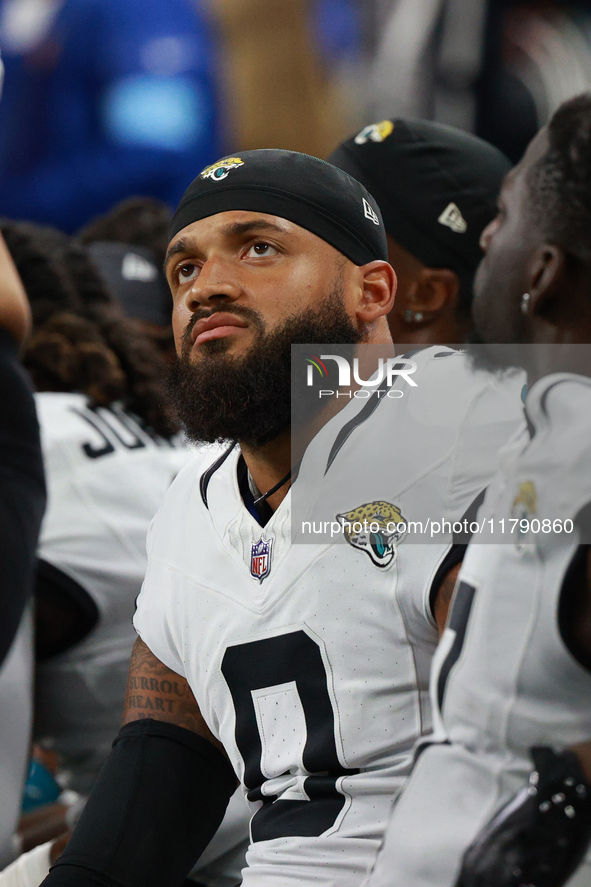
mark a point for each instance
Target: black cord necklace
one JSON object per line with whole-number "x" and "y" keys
{"x": 274, "y": 489}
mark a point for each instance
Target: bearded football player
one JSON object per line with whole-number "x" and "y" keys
{"x": 299, "y": 670}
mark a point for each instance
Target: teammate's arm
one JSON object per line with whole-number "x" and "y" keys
{"x": 443, "y": 584}
{"x": 160, "y": 796}
{"x": 15, "y": 313}
{"x": 443, "y": 597}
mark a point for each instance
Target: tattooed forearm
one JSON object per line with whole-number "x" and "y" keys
{"x": 154, "y": 691}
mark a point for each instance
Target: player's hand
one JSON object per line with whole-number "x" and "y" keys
{"x": 540, "y": 836}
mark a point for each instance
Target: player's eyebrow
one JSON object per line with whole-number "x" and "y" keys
{"x": 236, "y": 229}
{"x": 181, "y": 246}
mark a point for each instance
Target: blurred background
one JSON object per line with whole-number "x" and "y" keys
{"x": 108, "y": 98}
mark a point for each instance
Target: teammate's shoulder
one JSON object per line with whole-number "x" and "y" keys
{"x": 562, "y": 397}
{"x": 559, "y": 407}
{"x": 446, "y": 379}
{"x": 59, "y": 412}
{"x": 440, "y": 363}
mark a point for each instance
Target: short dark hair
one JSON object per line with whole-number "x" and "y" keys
{"x": 81, "y": 340}
{"x": 560, "y": 182}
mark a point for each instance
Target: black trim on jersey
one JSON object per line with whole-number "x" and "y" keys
{"x": 422, "y": 746}
{"x": 262, "y": 512}
{"x": 458, "y": 623}
{"x": 65, "y": 612}
{"x": 207, "y": 475}
{"x": 364, "y": 414}
{"x": 454, "y": 556}
{"x": 458, "y": 549}
{"x": 531, "y": 428}
{"x": 469, "y": 515}
{"x": 544, "y": 397}
{"x": 573, "y": 602}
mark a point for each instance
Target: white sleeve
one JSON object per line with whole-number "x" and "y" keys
{"x": 29, "y": 869}
{"x": 157, "y": 602}
{"x": 152, "y": 618}
{"x": 495, "y": 415}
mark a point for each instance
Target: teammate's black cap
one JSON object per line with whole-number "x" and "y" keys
{"x": 303, "y": 189}
{"x": 436, "y": 187}
{"x": 133, "y": 277}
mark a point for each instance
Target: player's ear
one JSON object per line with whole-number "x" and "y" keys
{"x": 376, "y": 292}
{"x": 546, "y": 284}
{"x": 433, "y": 292}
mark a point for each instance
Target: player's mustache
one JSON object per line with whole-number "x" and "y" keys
{"x": 249, "y": 314}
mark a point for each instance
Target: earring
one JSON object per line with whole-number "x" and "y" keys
{"x": 413, "y": 316}
{"x": 525, "y": 303}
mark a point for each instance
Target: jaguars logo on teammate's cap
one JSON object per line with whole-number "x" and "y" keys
{"x": 374, "y": 528}
{"x": 221, "y": 169}
{"x": 375, "y": 132}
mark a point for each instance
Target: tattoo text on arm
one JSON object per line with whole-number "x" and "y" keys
{"x": 154, "y": 691}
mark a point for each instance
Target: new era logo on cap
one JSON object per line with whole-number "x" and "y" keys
{"x": 135, "y": 267}
{"x": 369, "y": 212}
{"x": 453, "y": 218}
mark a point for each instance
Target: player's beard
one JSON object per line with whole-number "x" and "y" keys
{"x": 248, "y": 397}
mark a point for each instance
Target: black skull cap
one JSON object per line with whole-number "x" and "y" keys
{"x": 436, "y": 187}
{"x": 305, "y": 190}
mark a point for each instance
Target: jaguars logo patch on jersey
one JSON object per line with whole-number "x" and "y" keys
{"x": 374, "y": 528}
{"x": 375, "y": 132}
{"x": 525, "y": 502}
{"x": 524, "y": 507}
{"x": 221, "y": 169}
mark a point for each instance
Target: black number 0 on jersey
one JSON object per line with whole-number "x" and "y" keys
{"x": 293, "y": 659}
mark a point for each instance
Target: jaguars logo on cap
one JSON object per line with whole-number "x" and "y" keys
{"x": 374, "y": 528}
{"x": 375, "y": 132}
{"x": 221, "y": 169}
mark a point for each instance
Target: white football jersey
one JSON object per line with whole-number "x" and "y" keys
{"x": 106, "y": 477}
{"x": 503, "y": 678}
{"x": 310, "y": 661}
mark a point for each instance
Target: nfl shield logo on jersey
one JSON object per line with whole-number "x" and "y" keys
{"x": 260, "y": 558}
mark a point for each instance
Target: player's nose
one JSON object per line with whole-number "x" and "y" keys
{"x": 215, "y": 281}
